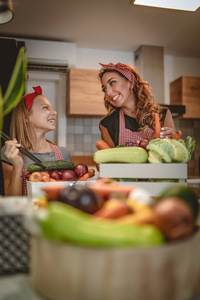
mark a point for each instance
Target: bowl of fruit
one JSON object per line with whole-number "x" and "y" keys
{"x": 107, "y": 241}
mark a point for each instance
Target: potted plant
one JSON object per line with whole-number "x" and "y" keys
{"x": 15, "y": 87}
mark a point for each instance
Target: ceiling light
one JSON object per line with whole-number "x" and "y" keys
{"x": 190, "y": 5}
{"x": 6, "y": 11}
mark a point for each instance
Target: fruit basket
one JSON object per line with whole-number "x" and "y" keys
{"x": 162, "y": 175}
{"x": 64, "y": 271}
{"x": 76, "y": 256}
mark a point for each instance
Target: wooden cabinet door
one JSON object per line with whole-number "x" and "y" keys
{"x": 186, "y": 91}
{"x": 84, "y": 94}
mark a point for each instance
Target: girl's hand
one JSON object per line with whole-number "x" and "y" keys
{"x": 167, "y": 133}
{"x": 12, "y": 153}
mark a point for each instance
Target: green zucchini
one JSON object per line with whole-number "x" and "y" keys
{"x": 51, "y": 166}
{"x": 136, "y": 155}
{"x": 68, "y": 224}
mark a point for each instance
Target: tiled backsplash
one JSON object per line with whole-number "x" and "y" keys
{"x": 82, "y": 134}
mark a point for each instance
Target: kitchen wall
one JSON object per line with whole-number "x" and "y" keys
{"x": 191, "y": 128}
{"x": 175, "y": 67}
{"x": 82, "y": 133}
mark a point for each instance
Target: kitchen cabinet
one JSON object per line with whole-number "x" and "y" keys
{"x": 186, "y": 91}
{"x": 84, "y": 94}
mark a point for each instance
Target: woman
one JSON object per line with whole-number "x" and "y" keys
{"x": 131, "y": 107}
{"x": 32, "y": 118}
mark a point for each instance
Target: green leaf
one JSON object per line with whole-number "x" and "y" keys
{"x": 190, "y": 144}
{"x": 17, "y": 82}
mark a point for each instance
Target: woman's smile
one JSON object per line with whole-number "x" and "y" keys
{"x": 115, "y": 98}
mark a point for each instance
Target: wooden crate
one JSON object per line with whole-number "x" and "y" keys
{"x": 162, "y": 172}
{"x": 186, "y": 91}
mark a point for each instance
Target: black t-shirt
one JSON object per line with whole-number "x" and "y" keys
{"x": 111, "y": 122}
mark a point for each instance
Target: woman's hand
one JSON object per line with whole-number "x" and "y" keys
{"x": 167, "y": 133}
{"x": 168, "y": 130}
{"x": 12, "y": 153}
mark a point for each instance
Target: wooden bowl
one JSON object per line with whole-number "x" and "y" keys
{"x": 61, "y": 271}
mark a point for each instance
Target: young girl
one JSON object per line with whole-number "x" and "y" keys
{"x": 131, "y": 107}
{"x": 32, "y": 118}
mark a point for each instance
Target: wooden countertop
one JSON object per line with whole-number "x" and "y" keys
{"x": 88, "y": 160}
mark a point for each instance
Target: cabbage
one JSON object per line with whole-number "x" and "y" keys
{"x": 170, "y": 150}
{"x": 157, "y": 155}
{"x": 153, "y": 157}
{"x": 164, "y": 145}
{"x": 180, "y": 151}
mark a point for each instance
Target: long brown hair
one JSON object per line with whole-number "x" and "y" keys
{"x": 20, "y": 126}
{"x": 146, "y": 107}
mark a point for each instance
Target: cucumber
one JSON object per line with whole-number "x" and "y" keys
{"x": 132, "y": 155}
{"x": 51, "y": 165}
{"x": 68, "y": 224}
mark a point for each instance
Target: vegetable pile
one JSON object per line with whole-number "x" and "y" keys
{"x": 156, "y": 151}
{"x": 59, "y": 170}
{"x": 105, "y": 214}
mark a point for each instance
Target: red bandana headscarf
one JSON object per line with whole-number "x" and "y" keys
{"x": 121, "y": 68}
{"x": 30, "y": 97}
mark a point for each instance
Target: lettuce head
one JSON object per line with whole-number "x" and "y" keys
{"x": 180, "y": 151}
{"x": 170, "y": 150}
{"x": 157, "y": 155}
{"x": 162, "y": 144}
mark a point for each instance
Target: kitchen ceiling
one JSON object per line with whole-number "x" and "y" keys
{"x": 106, "y": 24}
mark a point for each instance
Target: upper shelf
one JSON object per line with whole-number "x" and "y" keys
{"x": 176, "y": 110}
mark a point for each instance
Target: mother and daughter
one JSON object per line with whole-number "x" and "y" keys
{"x": 131, "y": 108}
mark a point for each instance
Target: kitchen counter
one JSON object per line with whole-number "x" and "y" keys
{"x": 18, "y": 287}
